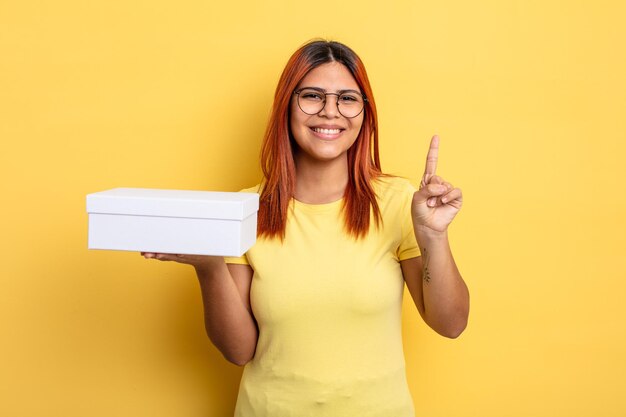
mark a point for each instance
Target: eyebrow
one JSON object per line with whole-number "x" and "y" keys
{"x": 349, "y": 90}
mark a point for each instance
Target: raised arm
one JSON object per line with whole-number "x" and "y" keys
{"x": 228, "y": 317}
{"x": 433, "y": 279}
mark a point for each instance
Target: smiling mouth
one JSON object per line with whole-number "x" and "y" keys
{"x": 326, "y": 131}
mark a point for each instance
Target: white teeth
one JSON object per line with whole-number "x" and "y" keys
{"x": 326, "y": 131}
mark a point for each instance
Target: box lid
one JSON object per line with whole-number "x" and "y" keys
{"x": 174, "y": 203}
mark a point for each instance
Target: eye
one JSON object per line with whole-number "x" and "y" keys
{"x": 349, "y": 98}
{"x": 311, "y": 95}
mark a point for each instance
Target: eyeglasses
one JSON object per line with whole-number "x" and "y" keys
{"x": 312, "y": 101}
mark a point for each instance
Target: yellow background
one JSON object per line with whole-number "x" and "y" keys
{"x": 528, "y": 97}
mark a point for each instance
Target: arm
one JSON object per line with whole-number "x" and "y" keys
{"x": 434, "y": 281}
{"x": 228, "y": 317}
{"x": 436, "y": 286}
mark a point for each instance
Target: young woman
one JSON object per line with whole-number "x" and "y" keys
{"x": 313, "y": 309}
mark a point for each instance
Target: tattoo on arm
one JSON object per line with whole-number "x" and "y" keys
{"x": 426, "y": 272}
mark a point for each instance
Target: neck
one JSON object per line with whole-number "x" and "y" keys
{"x": 320, "y": 182}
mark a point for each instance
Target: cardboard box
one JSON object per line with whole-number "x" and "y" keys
{"x": 173, "y": 221}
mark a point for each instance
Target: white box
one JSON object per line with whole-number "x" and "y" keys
{"x": 173, "y": 221}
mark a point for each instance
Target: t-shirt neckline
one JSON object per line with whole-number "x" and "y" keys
{"x": 317, "y": 207}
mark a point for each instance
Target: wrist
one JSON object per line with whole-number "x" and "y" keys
{"x": 426, "y": 234}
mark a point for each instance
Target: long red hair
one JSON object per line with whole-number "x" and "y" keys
{"x": 277, "y": 159}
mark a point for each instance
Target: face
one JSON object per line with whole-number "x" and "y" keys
{"x": 328, "y": 135}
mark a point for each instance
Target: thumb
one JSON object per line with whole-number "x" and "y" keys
{"x": 428, "y": 191}
{"x": 432, "y": 190}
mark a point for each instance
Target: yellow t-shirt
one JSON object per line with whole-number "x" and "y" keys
{"x": 329, "y": 314}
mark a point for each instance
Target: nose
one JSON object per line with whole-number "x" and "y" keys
{"x": 330, "y": 110}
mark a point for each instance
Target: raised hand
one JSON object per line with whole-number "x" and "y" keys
{"x": 437, "y": 201}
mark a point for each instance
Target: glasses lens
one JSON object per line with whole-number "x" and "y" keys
{"x": 350, "y": 104}
{"x": 311, "y": 101}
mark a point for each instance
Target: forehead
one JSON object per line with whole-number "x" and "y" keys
{"x": 331, "y": 76}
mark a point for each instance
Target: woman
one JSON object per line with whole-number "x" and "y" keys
{"x": 313, "y": 309}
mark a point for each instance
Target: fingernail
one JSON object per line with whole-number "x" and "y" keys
{"x": 444, "y": 200}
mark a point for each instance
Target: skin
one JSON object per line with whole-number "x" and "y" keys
{"x": 321, "y": 160}
{"x": 433, "y": 280}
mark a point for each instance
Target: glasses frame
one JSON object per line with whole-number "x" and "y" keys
{"x": 325, "y": 94}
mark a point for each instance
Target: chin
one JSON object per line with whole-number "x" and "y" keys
{"x": 331, "y": 157}
{"x": 323, "y": 156}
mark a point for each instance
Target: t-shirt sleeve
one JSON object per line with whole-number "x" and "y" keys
{"x": 408, "y": 245}
{"x": 239, "y": 260}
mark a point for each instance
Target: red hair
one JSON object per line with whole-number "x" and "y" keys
{"x": 277, "y": 159}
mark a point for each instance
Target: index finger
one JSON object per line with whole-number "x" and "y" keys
{"x": 431, "y": 158}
